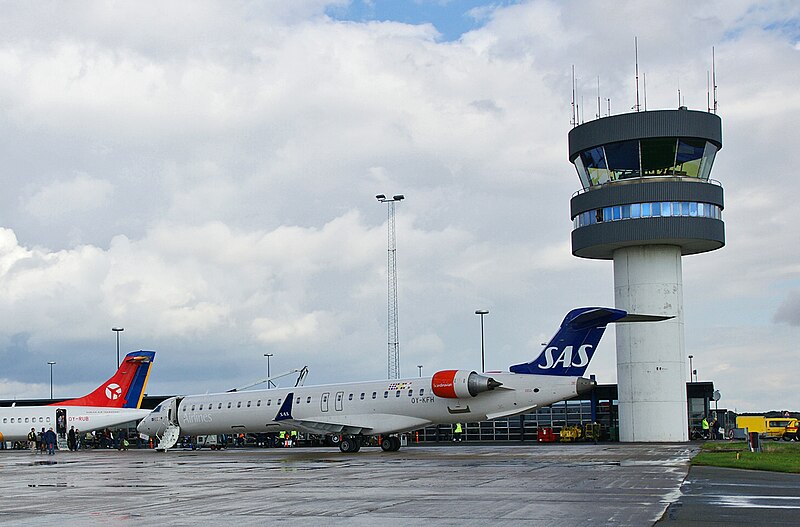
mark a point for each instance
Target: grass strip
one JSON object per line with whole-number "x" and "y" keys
{"x": 775, "y": 456}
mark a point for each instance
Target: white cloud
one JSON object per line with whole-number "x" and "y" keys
{"x": 79, "y": 195}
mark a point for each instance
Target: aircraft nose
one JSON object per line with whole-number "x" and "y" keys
{"x": 584, "y": 385}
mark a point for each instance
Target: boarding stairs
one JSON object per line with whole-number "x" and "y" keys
{"x": 62, "y": 443}
{"x": 169, "y": 438}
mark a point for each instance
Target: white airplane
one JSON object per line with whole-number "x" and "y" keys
{"x": 385, "y": 408}
{"x": 113, "y": 403}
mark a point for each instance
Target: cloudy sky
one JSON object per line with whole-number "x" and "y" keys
{"x": 204, "y": 175}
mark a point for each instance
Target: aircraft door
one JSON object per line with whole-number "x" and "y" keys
{"x": 61, "y": 421}
{"x": 339, "y": 399}
{"x": 324, "y": 401}
{"x": 172, "y": 411}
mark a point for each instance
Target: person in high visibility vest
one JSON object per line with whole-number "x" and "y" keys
{"x": 704, "y": 425}
{"x": 292, "y": 438}
{"x": 457, "y": 432}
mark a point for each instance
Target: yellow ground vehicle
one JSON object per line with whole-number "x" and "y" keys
{"x": 770, "y": 427}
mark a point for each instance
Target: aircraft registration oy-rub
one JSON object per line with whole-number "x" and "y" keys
{"x": 355, "y": 411}
{"x": 113, "y": 403}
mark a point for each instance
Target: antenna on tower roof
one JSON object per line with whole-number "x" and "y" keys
{"x": 644, "y": 89}
{"x": 598, "y": 96}
{"x": 714, "y": 77}
{"x": 574, "y": 120}
{"x": 636, "y": 54}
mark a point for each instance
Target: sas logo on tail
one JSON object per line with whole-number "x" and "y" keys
{"x": 565, "y": 359}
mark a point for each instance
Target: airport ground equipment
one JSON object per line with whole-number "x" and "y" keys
{"x": 775, "y": 428}
{"x": 648, "y": 200}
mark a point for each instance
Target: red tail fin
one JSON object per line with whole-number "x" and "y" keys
{"x": 125, "y": 389}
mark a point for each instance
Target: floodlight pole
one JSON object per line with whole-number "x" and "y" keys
{"x": 117, "y": 330}
{"x": 482, "y": 312}
{"x": 391, "y": 271}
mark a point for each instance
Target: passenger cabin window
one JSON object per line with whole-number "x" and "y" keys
{"x": 239, "y": 404}
{"x": 410, "y": 393}
{"x": 229, "y": 404}
{"x": 219, "y": 407}
{"x": 248, "y": 404}
{"x": 397, "y": 394}
{"x": 350, "y": 397}
{"x": 308, "y": 400}
{"x": 258, "y": 403}
{"x": 201, "y": 407}
{"x": 298, "y": 401}
{"x": 362, "y": 396}
{"x": 269, "y": 402}
{"x": 421, "y": 392}
{"x": 374, "y": 395}
{"x": 385, "y": 395}
{"x": 193, "y": 408}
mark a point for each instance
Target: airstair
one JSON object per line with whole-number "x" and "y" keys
{"x": 170, "y": 437}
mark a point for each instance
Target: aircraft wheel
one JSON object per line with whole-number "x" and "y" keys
{"x": 386, "y": 444}
{"x": 349, "y": 444}
{"x": 334, "y": 439}
{"x": 395, "y": 443}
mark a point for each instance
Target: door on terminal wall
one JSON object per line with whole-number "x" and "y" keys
{"x": 61, "y": 421}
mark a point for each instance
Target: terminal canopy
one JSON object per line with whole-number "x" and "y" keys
{"x": 647, "y": 157}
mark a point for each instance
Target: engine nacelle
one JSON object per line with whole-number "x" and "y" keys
{"x": 454, "y": 384}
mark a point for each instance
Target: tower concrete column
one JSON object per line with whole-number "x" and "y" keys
{"x": 650, "y": 357}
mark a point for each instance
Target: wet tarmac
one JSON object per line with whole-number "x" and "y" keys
{"x": 499, "y": 485}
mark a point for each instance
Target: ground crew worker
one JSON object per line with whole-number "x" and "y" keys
{"x": 457, "y": 432}
{"x": 32, "y": 440}
{"x": 292, "y": 438}
{"x": 282, "y": 437}
{"x": 704, "y": 425}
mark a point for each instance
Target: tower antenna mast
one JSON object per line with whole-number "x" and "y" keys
{"x": 636, "y": 54}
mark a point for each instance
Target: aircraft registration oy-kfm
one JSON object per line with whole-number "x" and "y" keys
{"x": 355, "y": 411}
{"x": 113, "y": 403}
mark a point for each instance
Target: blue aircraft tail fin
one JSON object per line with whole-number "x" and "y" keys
{"x": 570, "y": 350}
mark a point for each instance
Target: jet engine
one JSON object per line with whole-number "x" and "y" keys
{"x": 454, "y": 384}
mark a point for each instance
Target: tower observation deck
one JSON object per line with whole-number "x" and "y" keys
{"x": 647, "y": 200}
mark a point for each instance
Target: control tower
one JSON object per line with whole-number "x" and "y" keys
{"x": 647, "y": 200}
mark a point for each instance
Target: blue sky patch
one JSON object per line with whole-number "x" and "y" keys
{"x": 452, "y": 18}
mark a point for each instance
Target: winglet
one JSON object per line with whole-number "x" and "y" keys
{"x": 125, "y": 388}
{"x": 285, "y": 413}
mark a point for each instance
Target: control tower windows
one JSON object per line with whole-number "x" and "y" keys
{"x": 648, "y": 210}
{"x": 623, "y": 159}
{"x": 653, "y": 157}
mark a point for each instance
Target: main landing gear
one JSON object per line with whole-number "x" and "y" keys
{"x": 353, "y": 443}
{"x": 350, "y": 444}
{"x": 390, "y": 443}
